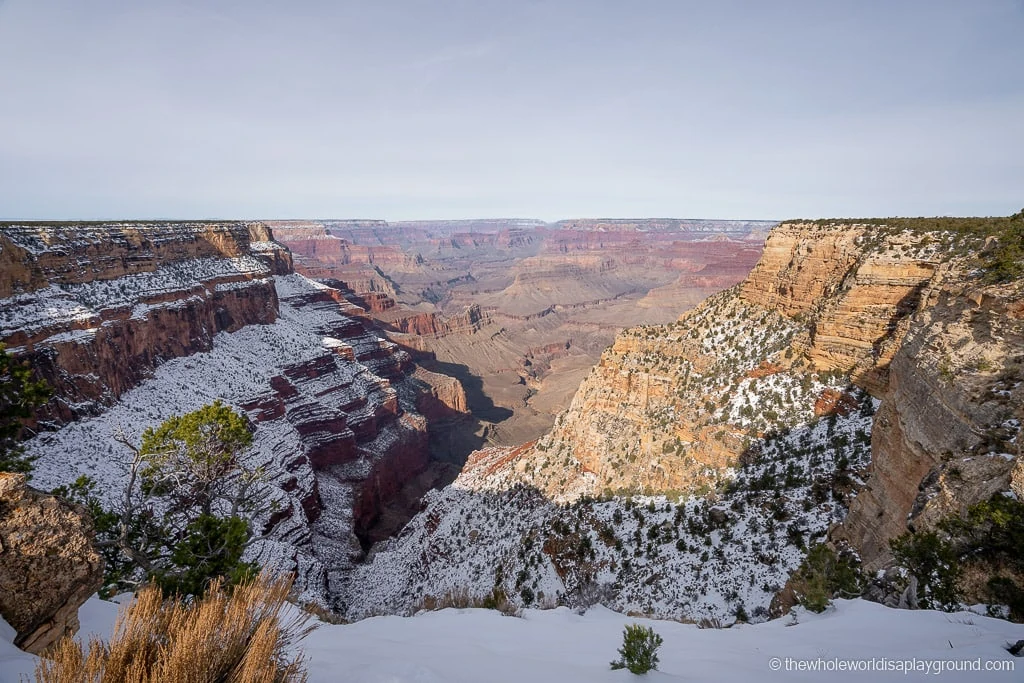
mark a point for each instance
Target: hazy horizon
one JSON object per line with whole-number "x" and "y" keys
{"x": 456, "y": 109}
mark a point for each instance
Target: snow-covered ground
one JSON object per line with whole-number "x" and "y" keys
{"x": 455, "y": 646}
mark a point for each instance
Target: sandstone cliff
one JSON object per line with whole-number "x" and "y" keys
{"x": 900, "y": 312}
{"x": 48, "y": 566}
{"x": 855, "y": 295}
{"x": 947, "y": 433}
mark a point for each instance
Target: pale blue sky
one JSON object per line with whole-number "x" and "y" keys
{"x": 472, "y": 108}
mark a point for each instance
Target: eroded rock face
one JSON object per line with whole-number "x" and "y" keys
{"x": 947, "y": 433}
{"x": 95, "y": 308}
{"x": 131, "y": 324}
{"x": 672, "y": 407}
{"x": 274, "y": 254}
{"x": 655, "y": 413}
{"x": 48, "y": 566}
{"x": 857, "y": 296}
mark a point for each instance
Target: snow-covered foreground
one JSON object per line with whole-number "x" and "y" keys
{"x": 454, "y": 646}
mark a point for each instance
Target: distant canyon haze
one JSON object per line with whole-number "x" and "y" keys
{"x": 520, "y": 310}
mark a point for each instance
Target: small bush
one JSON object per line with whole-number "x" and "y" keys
{"x": 934, "y": 563}
{"x": 236, "y": 637}
{"x": 639, "y": 651}
{"x": 824, "y": 575}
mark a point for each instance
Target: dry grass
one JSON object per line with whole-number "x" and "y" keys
{"x": 236, "y": 637}
{"x": 462, "y": 598}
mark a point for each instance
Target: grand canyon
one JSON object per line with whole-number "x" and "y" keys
{"x": 432, "y": 399}
{"x": 560, "y": 342}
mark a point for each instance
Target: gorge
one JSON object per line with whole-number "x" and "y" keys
{"x": 862, "y": 380}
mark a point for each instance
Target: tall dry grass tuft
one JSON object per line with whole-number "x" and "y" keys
{"x": 226, "y": 637}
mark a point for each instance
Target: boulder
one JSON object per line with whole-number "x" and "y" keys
{"x": 48, "y": 565}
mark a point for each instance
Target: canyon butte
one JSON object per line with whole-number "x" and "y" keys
{"x": 661, "y": 416}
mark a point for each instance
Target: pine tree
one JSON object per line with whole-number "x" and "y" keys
{"x": 19, "y": 396}
{"x": 639, "y": 651}
{"x": 187, "y": 510}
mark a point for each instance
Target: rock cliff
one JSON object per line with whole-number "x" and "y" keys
{"x": 856, "y": 294}
{"x": 947, "y": 433}
{"x": 899, "y": 311}
{"x": 96, "y": 307}
{"x": 865, "y": 371}
{"x": 48, "y": 566}
{"x": 134, "y": 323}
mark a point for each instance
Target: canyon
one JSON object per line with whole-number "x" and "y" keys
{"x": 133, "y": 323}
{"x": 413, "y": 392}
{"x": 519, "y": 310}
{"x": 863, "y": 381}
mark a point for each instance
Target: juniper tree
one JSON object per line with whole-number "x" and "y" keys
{"x": 187, "y": 506}
{"x": 19, "y": 396}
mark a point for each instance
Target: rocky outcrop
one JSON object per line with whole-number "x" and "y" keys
{"x": 40, "y": 255}
{"x": 96, "y": 307}
{"x": 275, "y": 255}
{"x": 48, "y": 566}
{"x": 856, "y": 296}
{"x": 434, "y": 325}
{"x": 317, "y": 244}
{"x": 443, "y": 397}
{"x": 947, "y": 433}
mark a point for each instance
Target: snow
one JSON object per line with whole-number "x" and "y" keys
{"x": 560, "y": 645}
{"x": 701, "y": 559}
{"x": 13, "y": 662}
{"x": 238, "y": 370}
{"x": 78, "y": 303}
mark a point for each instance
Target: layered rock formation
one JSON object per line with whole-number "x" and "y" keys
{"x": 857, "y": 296}
{"x": 754, "y": 408}
{"x": 48, "y": 566}
{"x": 483, "y": 299}
{"x": 902, "y": 313}
{"x": 656, "y": 414}
{"x": 95, "y": 308}
{"x": 173, "y": 316}
{"x": 946, "y": 434}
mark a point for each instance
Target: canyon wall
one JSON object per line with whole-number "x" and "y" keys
{"x": 903, "y": 314}
{"x": 95, "y": 308}
{"x": 909, "y": 317}
{"x": 947, "y": 433}
{"x": 133, "y": 323}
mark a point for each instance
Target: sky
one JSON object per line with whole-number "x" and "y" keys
{"x": 402, "y": 109}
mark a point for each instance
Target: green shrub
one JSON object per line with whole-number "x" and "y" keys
{"x": 639, "y": 651}
{"x": 993, "y": 530}
{"x": 1003, "y": 590}
{"x": 934, "y": 562}
{"x": 19, "y": 397}
{"x": 187, "y": 510}
{"x": 824, "y": 575}
{"x": 989, "y": 538}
